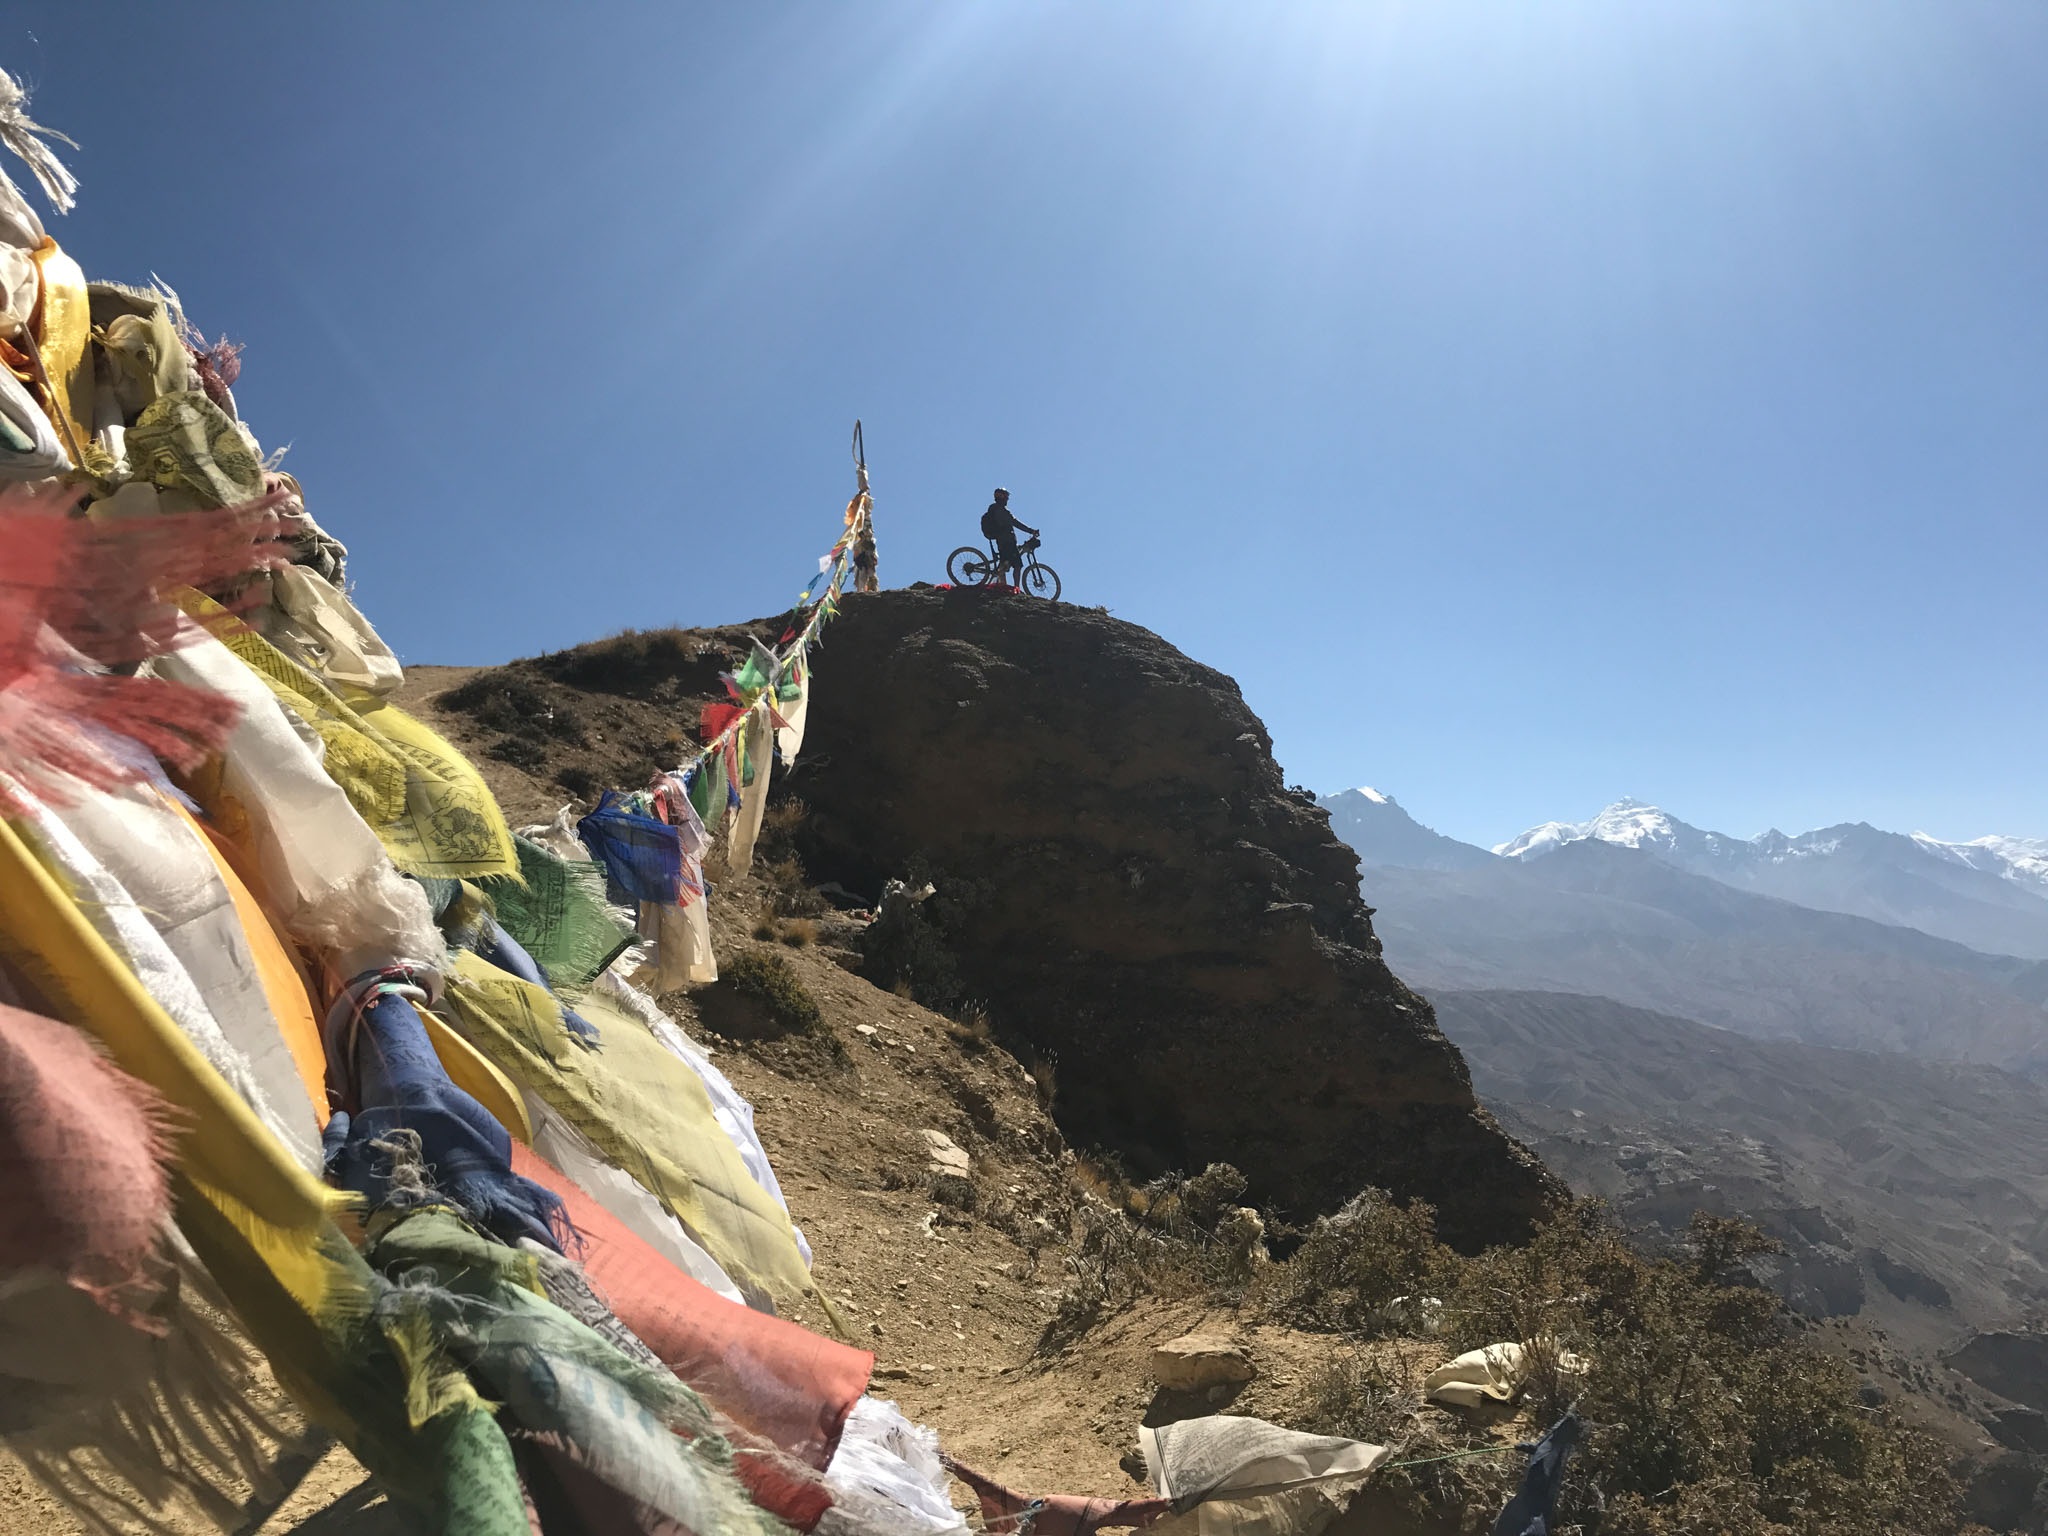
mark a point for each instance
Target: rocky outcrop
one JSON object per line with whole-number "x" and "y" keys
{"x": 2014, "y": 1365}
{"x": 1129, "y": 887}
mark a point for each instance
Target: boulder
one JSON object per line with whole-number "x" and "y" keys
{"x": 1195, "y": 1362}
{"x": 1125, "y": 881}
{"x": 943, "y": 1155}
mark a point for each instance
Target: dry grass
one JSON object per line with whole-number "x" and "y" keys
{"x": 1044, "y": 1068}
{"x": 789, "y": 889}
{"x": 970, "y": 1028}
{"x": 798, "y": 933}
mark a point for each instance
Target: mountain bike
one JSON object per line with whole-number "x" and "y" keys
{"x": 968, "y": 566}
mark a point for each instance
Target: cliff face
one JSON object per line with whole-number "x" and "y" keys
{"x": 1129, "y": 885}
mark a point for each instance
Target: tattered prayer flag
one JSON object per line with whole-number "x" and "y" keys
{"x": 757, "y": 672}
{"x": 643, "y": 857}
{"x": 715, "y": 718}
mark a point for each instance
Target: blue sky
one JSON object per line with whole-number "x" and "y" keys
{"x": 1528, "y": 404}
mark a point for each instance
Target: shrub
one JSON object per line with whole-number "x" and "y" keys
{"x": 1114, "y": 1262}
{"x": 766, "y": 978}
{"x": 901, "y": 948}
{"x": 1354, "y": 1264}
{"x": 1436, "y": 1484}
{"x": 1707, "y": 1414}
{"x": 504, "y": 701}
{"x": 1145, "y": 1240}
{"x": 1715, "y": 1418}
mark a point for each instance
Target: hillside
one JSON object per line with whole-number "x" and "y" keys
{"x": 1153, "y": 915}
{"x": 975, "y": 1291}
{"x": 1593, "y": 918}
{"x": 1916, "y": 1192}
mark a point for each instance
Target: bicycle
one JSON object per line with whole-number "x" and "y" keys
{"x": 969, "y": 566}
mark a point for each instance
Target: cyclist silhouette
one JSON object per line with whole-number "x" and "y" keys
{"x": 999, "y": 527}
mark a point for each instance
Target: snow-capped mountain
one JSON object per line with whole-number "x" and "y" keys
{"x": 1991, "y": 894}
{"x": 2022, "y": 860}
{"x": 1380, "y": 832}
{"x": 1628, "y": 824}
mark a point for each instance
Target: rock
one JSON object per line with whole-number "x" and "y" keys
{"x": 1195, "y": 1362}
{"x": 2014, "y": 1365}
{"x": 945, "y": 1156}
{"x": 1122, "y": 874}
{"x": 2020, "y": 1429}
{"x": 1243, "y": 1233}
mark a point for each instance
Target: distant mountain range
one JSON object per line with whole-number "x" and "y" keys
{"x": 1841, "y": 1034}
{"x": 1991, "y": 894}
{"x": 1617, "y": 922}
{"x": 1380, "y": 832}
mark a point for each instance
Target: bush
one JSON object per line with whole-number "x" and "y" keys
{"x": 1706, "y": 1413}
{"x": 766, "y": 978}
{"x": 1435, "y": 1485}
{"x": 1354, "y": 1264}
{"x": 504, "y": 701}
{"x": 901, "y": 949}
{"x": 1714, "y": 1417}
{"x": 1156, "y": 1239}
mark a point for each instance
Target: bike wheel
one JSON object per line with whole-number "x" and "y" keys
{"x": 967, "y": 566}
{"x": 1042, "y": 581}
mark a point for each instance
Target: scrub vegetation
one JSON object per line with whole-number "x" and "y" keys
{"x": 1707, "y": 1412}
{"x": 766, "y": 978}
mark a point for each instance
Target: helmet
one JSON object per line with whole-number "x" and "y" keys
{"x": 1001, "y": 493}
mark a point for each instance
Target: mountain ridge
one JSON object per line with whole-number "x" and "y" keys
{"x": 1991, "y": 894}
{"x": 1620, "y": 923}
{"x": 1380, "y": 831}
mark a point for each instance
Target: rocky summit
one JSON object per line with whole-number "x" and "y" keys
{"x": 1143, "y": 906}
